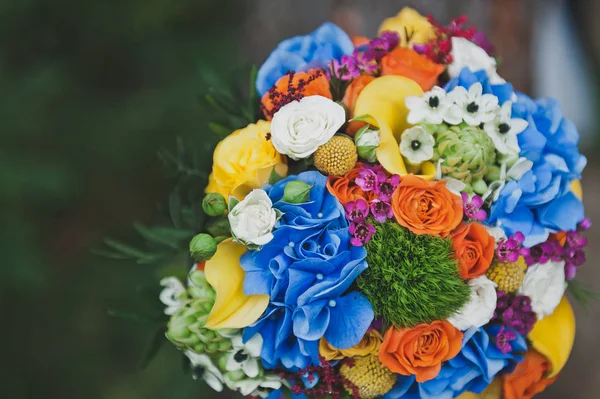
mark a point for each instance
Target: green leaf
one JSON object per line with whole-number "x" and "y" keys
{"x": 125, "y": 249}
{"x": 253, "y": 95}
{"x": 155, "y": 237}
{"x": 297, "y": 192}
{"x": 151, "y": 258}
{"x": 362, "y": 118}
{"x": 154, "y": 345}
{"x": 582, "y": 293}
{"x": 219, "y": 129}
{"x": 132, "y": 315}
{"x": 175, "y": 208}
{"x": 110, "y": 254}
{"x": 232, "y": 203}
{"x": 274, "y": 177}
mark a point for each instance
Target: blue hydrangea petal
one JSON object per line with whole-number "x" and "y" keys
{"x": 351, "y": 317}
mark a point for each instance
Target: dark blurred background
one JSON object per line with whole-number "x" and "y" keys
{"x": 91, "y": 89}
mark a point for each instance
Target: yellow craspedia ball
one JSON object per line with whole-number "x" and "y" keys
{"x": 509, "y": 276}
{"x": 367, "y": 374}
{"x": 337, "y": 156}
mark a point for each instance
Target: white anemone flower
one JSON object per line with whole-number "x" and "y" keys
{"x": 416, "y": 145}
{"x": 472, "y": 106}
{"x": 204, "y": 368}
{"x": 173, "y": 295}
{"x": 515, "y": 172}
{"x": 245, "y": 356}
{"x": 429, "y": 108}
{"x": 503, "y": 130}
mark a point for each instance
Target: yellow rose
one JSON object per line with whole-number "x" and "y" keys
{"x": 368, "y": 345}
{"x": 409, "y": 22}
{"x": 244, "y": 161}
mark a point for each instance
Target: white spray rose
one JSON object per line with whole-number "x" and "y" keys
{"x": 481, "y": 306}
{"x": 545, "y": 284}
{"x": 467, "y": 54}
{"x": 252, "y": 219}
{"x": 300, "y": 127}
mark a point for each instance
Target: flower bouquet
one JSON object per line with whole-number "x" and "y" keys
{"x": 400, "y": 223}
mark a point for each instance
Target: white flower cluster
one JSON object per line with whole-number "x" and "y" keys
{"x": 473, "y": 108}
{"x": 242, "y": 369}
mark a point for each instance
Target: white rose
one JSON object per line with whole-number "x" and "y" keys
{"x": 173, "y": 295}
{"x": 300, "y": 127}
{"x": 467, "y": 54}
{"x": 545, "y": 284}
{"x": 252, "y": 219}
{"x": 481, "y": 306}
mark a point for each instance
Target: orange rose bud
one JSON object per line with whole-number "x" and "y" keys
{"x": 311, "y": 83}
{"x": 426, "y": 207}
{"x": 474, "y": 249}
{"x": 410, "y": 64}
{"x": 529, "y": 377}
{"x": 349, "y": 100}
{"x": 421, "y": 350}
{"x": 345, "y": 189}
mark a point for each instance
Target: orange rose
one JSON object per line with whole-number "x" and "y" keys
{"x": 345, "y": 189}
{"x": 410, "y": 64}
{"x": 426, "y": 207}
{"x": 349, "y": 100}
{"x": 318, "y": 86}
{"x": 474, "y": 249}
{"x": 529, "y": 377}
{"x": 420, "y": 350}
{"x": 360, "y": 40}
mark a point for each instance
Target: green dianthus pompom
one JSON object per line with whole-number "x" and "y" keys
{"x": 411, "y": 278}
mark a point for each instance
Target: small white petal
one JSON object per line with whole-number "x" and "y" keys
{"x": 545, "y": 284}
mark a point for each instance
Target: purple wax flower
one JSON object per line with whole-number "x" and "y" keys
{"x": 386, "y": 187}
{"x": 361, "y": 233}
{"x": 357, "y": 211}
{"x": 366, "y": 61}
{"x": 383, "y": 44}
{"x": 503, "y": 340}
{"x": 472, "y": 207}
{"x": 515, "y": 311}
{"x": 585, "y": 224}
{"x": 381, "y": 210}
{"x": 367, "y": 179}
{"x": 345, "y": 69}
{"x": 510, "y": 249}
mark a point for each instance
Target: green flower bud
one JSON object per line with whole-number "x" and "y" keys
{"x": 214, "y": 204}
{"x": 367, "y": 140}
{"x": 219, "y": 226}
{"x": 296, "y": 192}
{"x": 203, "y": 247}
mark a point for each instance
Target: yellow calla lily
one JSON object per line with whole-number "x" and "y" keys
{"x": 381, "y": 104}
{"x": 577, "y": 189}
{"x": 232, "y": 308}
{"x": 494, "y": 391}
{"x": 409, "y": 22}
{"x": 553, "y": 336}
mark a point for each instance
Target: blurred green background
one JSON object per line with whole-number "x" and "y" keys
{"x": 89, "y": 91}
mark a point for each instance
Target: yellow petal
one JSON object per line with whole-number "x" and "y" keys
{"x": 494, "y": 391}
{"x": 577, "y": 189}
{"x": 553, "y": 336}
{"x": 260, "y": 178}
{"x": 383, "y": 101}
{"x": 233, "y": 308}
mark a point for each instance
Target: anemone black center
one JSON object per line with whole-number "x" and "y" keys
{"x": 434, "y": 102}
{"x": 198, "y": 371}
{"x": 503, "y": 128}
{"x": 240, "y": 356}
{"x": 415, "y": 145}
{"x": 473, "y": 107}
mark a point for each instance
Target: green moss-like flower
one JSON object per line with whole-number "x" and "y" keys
{"x": 411, "y": 278}
{"x": 467, "y": 152}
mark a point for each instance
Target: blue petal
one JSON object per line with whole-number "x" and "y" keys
{"x": 351, "y": 317}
